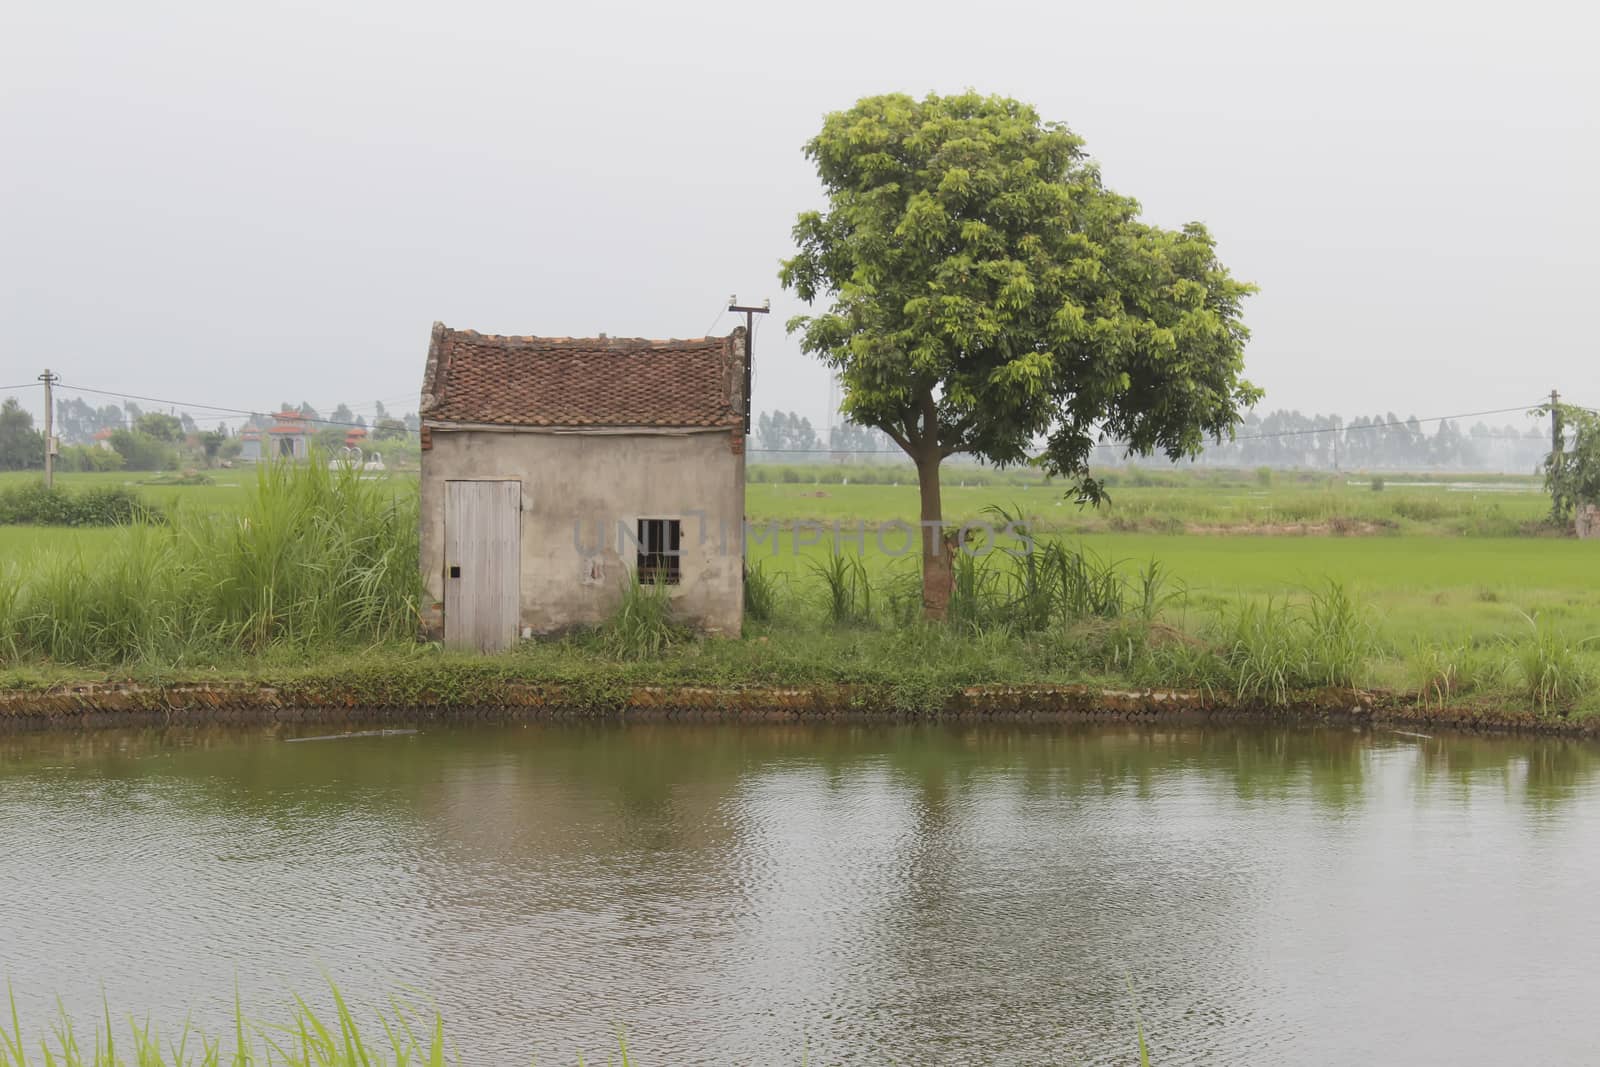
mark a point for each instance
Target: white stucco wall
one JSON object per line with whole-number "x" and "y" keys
{"x": 574, "y": 485}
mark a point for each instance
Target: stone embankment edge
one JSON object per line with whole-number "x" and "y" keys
{"x": 113, "y": 704}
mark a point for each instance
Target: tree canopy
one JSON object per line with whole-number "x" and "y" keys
{"x": 1572, "y": 470}
{"x": 986, "y": 293}
{"x": 21, "y": 446}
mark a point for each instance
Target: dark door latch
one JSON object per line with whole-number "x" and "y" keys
{"x": 455, "y": 572}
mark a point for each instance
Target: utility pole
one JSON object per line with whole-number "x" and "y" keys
{"x": 49, "y": 428}
{"x": 750, "y": 314}
{"x": 1557, "y": 445}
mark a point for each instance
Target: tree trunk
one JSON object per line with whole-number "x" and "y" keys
{"x": 936, "y": 569}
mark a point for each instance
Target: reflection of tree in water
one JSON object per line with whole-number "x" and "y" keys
{"x": 1546, "y": 772}
{"x": 645, "y": 769}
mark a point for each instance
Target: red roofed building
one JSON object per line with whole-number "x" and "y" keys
{"x": 102, "y": 439}
{"x": 554, "y": 469}
{"x": 289, "y": 437}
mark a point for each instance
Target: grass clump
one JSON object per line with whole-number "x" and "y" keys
{"x": 643, "y": 626}
{"x": 846, "y": 589}
{"x": 1550, "y": 667}
{"x": 760, "y": 593}
{"x": 1441, "y": 674}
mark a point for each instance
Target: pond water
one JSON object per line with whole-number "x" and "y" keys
{"x": 927, "y": 894}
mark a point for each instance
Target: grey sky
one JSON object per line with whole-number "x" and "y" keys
{"x": 240, "y": 204}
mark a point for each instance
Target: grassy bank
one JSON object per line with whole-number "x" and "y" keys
{"x": 1277, "y": 659}
{"x": 309, "y": 580}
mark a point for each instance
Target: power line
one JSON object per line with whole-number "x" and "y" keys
{"x": 19, "y": 388}
{"x": 204, "y": 407}
{"x": 722, "y": 309}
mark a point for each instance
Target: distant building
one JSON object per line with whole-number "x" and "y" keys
{"x": 289, "y": 437}
{"x": 250, "y": 443}
{"x": 102, "y": 439}
{"x": 554, "y": 469}
{"x": 355, "y": 437}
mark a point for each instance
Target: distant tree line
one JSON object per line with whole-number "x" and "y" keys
{"x": 1283, "y": 439}
{"x": 1290, "y": 439}
{"x": 138, "y": 440}
{"x": 779, "y": 431}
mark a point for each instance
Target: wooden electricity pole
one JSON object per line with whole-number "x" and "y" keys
{"x": 1557, "y": 445}
{"x": 750, "y": 314}
{"x": 49, "y": 428}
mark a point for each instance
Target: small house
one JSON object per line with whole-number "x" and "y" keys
{"x": 102, "y": 438}
{"x": 556, "y": 470}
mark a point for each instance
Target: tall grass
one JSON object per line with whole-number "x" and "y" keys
{"x": 1441, "y": 674}
{"x": 643, "y": 624}
{"x": 760, "y": 593}
{"x": 1266, "y": 651}
{"x": 846, "y": 589}
{"x": 315, "y": 558}
{"x": 1551, "y": 669}
{"x": 1035, "y": 586}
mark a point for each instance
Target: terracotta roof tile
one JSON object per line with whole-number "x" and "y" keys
{"x": 587, "y": 381}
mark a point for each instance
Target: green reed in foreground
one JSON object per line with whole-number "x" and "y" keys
{"x": 305, "y": 1040}
{"x": 401, "y": 1038}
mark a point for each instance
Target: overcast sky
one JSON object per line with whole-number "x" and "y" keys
{"x": 238, "y": 204}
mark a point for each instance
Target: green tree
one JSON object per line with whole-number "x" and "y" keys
{"x": 1572, "y": 472}
{"x": 211, "y": 443}
{"x": 166, "y": 428}
{"x": 21, "y": 446}
{"x": 142, "y": 452}
{"x": 988, "y": 295}
{"x": 328, "y": 440}
{"x": 389, "y": 429}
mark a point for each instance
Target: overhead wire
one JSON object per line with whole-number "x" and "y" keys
{"x": 187, "y": 405}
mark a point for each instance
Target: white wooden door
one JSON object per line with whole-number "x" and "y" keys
{"x": 482, "y": 564}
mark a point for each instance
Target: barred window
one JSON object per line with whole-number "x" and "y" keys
{"x": 658, "y": 550}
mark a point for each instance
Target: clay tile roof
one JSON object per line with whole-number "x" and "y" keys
{"x": 588, "y": 381}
